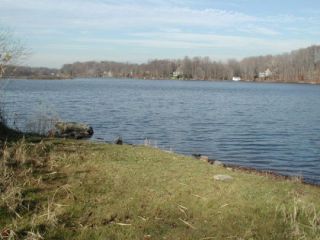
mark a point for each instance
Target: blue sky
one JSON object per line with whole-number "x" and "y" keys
{"x": 64, "y": 31}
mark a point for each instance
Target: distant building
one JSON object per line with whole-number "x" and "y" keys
{"x": 265, "y": 74}
{"x": 236, "y": 79}
{"x": 178, "y": 73}
{"x": 108, "y": 74}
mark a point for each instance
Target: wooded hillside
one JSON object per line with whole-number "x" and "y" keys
{"x": 302, "y": 65}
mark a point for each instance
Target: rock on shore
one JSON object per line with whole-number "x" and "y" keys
{"x": 72, "y": 130}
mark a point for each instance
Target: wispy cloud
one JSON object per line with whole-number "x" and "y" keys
{"x": 56, "y": 28}
{"x": 104, "y": 15}
{"x": 183, "y": 40}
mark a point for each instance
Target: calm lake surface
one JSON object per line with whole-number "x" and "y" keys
{"x": 266, "y": 126}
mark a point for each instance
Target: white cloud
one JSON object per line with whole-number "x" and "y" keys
{"x": 181, "y": 40}
{"x": 68, "y": 26}
{"x": 260, "y": 30}
{"x": 103, "y": 15}
{"x": 97, "y": 14}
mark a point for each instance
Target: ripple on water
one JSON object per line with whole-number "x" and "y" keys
{"x": 267, "y": 126}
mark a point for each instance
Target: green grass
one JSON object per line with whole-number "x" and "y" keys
{"x": 101, "y": 191}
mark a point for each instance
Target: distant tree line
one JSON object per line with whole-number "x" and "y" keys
{"x": 31, "y": 72}
{"x": 302, "y": 65}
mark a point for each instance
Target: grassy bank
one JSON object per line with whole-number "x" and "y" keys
{"x": 59, "y": 189}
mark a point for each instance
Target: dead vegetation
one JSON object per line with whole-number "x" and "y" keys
{"x": 64, "y": 189}
{"x": 23, "y": 168}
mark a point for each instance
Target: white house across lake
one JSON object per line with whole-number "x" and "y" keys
{"x": 236, "y": 79}
{"x": 265, "y": 74}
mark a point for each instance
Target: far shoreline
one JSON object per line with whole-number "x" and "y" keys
{"x": 158, "y": 79}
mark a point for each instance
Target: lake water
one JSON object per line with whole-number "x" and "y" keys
{"x": 266, "y": 126}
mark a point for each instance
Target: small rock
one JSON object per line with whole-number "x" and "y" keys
{"x": 168, "y": 151}
{"x": 146, "y": 237}
{"x": 218, "y": 163}
{"x": 196, "y": 155}
{"x": 221, "y": 177}
{"x": 204, "y": 158}
{"x": 71, "y": 130}
{"x": 118, "y": 141}
{"x": 229, "y": 169}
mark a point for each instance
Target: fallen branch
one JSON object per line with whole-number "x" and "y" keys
{"x": 198, "y": 196}
{"x": 188, "y": 224}
{"x": 142, "y": 218}
{"x": 183, "y": 207}
{"x": 123, "y": 224}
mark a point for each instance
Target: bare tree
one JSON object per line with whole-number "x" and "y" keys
{"x": 11, "y": 52}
